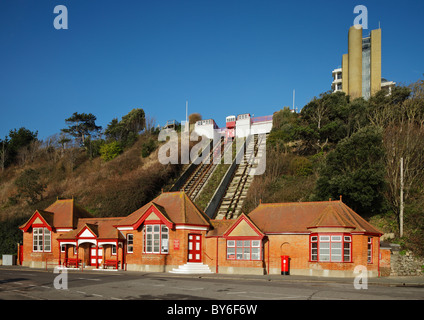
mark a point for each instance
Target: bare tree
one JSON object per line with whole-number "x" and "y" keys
{"x": 3, "y": 154}
{"x": 405, "y": 141}
{"x": 404, "y": 138}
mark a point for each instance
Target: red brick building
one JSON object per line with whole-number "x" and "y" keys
{"x": 320, "y": 238}
{"x": 171, "y": 234}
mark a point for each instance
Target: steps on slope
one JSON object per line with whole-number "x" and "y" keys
{"x": 192, "y": 268}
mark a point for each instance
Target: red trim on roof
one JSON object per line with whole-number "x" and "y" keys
{"x": 30, "y": 222}
{"x": 149, "y": 211}
{"x": 82, "y": 230}
{"x": 249, "y": 222}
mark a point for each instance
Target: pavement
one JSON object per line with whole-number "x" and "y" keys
{"x": 412, "y": 281}
{"x": 407, "y": 281}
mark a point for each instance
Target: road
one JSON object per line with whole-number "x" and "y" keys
{"x": 34, "y": 284}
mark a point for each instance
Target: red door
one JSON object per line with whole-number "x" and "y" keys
{"x": 194, "y": 248}
{"x": 21, "y": 254}
{"x": 96, "y": 255}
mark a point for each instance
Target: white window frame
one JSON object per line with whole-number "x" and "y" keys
{"x": 314, "y": 248}
{"x": 347, "y": 248}
{"x": 247, "y": 250}
{"x": 41, "y": 240}
{"x": 130, "y": 243}
{"x": 369, "y": 250}
{"x": 330, "y": 248}
{"x": 156, "y": 239}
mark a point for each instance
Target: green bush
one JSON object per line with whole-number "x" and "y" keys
{"x": 147, "y": 148}
{"x": 301, "y": 166}
{"x": 110, "y": 150}
{"x": 29, "y": 186}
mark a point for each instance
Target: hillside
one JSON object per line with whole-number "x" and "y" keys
{"x": 333, "y": 148}
{"x": 337, "y": 147}
{"x": 115, "y": 187}
{"x": 112, "y": 188}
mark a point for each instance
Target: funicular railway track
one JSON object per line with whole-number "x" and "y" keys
{"x": 232, "y": 202}
{"x": 200, "y": 176}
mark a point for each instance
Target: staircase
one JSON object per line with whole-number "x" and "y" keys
{"x": 192, "y": 268}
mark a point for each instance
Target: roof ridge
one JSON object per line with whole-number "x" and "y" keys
{"x": 200, "y": 212}
{"x": 329, "y": 212}
{"x": 358, "y": 220}
{"x": 299, "y": 202}
{"x": 102, "y": 218}
{"x": 184, "y": 206}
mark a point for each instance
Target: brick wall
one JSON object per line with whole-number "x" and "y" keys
{"x": 38, "y": 259}
{"x": 177, "y": 249}
{"x": 297, "y": 248}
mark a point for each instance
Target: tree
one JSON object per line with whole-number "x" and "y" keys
{"x": 115, "y": 130}
{"x": 326, "y": 120}
{"x": 19, "y": 140}
{"x": 403, "y": 137}
{"x": 285, "y": 128}
{"x": 81, "y": 125}
{"x": 127, "y": 130}
{"x": 30, "y": 186}
{"x": 3, "y": 153}
{"x": 194, "y": 117}
{"x": 355, "y": 170}
{"x": 134, "y": 121}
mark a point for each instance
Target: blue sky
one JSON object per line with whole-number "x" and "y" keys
{"x": 224, "y": 57}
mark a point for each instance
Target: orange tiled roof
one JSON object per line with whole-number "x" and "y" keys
{"x": 219, "y": 227}
{"x": 66, "y": 213}
{"x": 61, "y": 214}
{"x": 177, "y": 207}
{"x": 300, "y": 217}
{"x": 103, "y": 228}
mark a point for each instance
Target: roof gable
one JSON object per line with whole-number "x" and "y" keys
{"x": 174, "y": 207}
{"x": 243, "y": 227}
{"x": 154, "y": 214}
{"x": 60, "y": 214}
{"x": 39, "y": 218}
{"x": 88, "y": 231}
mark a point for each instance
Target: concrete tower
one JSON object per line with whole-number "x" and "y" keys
{"x": 375, "y": 67}
{"x": 355, "y": 62}
{"x": 360, "y": 73}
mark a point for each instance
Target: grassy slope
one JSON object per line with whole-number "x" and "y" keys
{"x": 114, "y": 188}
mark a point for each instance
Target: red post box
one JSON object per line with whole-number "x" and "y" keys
{"x": 285, "y": 265}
